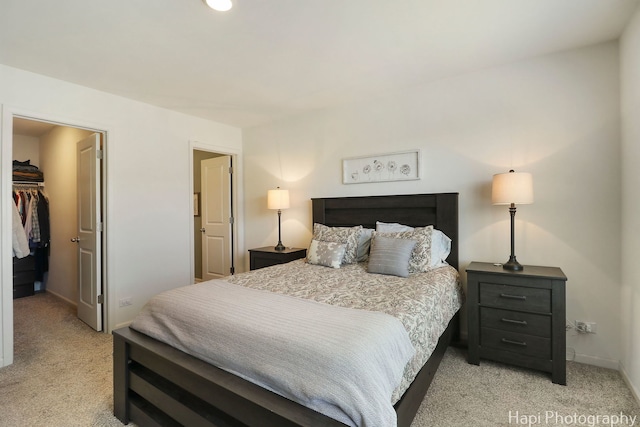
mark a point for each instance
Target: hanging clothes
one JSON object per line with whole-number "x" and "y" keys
{"x": 43, "y": 236}
{"x": 43, "y": 219}
{"x": 31, "y": 221}
{"x": 28, "y": 222}
{"x": 20, "y": 243}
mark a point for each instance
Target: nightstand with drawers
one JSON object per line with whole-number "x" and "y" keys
{"x": 268, "y": 256}
{"x": 518, "y": 317}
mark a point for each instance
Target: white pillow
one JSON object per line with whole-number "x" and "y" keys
{"x": 391, "y": 227}
{"x": 328, "y": 254}
{"x": 440, "y": 248}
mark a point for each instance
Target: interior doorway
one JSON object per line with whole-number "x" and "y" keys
{"x": 52, "y": 148}
{"x": 213, "y": 219}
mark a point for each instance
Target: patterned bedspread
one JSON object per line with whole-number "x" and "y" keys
{"x": 423, "y": 302}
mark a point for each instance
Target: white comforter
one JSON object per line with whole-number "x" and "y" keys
{"x": 344, "y": 363}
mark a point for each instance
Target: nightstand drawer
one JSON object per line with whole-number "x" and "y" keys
{"x": 517, "y": 343}
{"x": 515, "y": 297}
{"x": 515, "y": 321}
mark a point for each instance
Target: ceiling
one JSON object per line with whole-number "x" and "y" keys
{"x": 268, "y": 59}
{"x": 31, "y": 127}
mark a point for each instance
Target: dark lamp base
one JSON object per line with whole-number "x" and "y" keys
{"x": 512, "y": 265}
{"x": 280, "y": 247}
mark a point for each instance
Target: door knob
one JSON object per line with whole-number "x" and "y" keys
{"x": 75, "y": 239}
{"x": 202, "y": 230}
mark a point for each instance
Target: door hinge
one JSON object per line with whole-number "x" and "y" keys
{"x": 99, "y": 154}
{"x": 100, "y": 227}
{"x": 100, "y": 299}
{"x": 231, "y": 220}
{"x": 231, "y": 169}
{"x": 232, "y": 270}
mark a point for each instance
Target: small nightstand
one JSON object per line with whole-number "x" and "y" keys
{"x": 518, "y": 317}
{"x": 268, "y": 256}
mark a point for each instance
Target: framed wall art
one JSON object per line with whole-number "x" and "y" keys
{"x": 398, "y": 166}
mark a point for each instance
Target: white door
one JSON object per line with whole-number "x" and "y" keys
{"x": 217, "y": 258}
{"x": 89, "y": 236}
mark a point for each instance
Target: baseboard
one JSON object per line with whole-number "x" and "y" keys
{"x": 60, "y": 297}
{"x": 634, "y": 390}
{"x": 122, "y": 325}
{"x": 597, "y": 361}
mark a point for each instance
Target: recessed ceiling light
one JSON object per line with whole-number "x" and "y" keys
{"x": 219, "y": 5}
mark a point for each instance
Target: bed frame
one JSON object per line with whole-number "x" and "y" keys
{"x": 157, "y": 385}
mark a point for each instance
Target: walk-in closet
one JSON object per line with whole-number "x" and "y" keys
{"x": 45, "y": 187}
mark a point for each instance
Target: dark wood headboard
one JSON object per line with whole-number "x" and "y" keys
{"x": 416, "y": 210}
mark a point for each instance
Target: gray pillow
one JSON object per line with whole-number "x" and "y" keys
{"x": 364, "y": 244}
{"x": 329, "y": 254}
{"x": 390, "y": 256}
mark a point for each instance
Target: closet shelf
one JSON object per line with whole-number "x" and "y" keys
{"x": 28, "y": 183}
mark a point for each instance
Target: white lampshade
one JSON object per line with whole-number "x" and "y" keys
{"x": 278, "y": 199}
{"x": 219, "y": 5}
{"x": 512, "y": 187}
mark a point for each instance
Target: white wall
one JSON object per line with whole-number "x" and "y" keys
{"x": 26, "y": 148}
{"x": 630, "y": 296}
{"x": 149, "y": 198}
{"x": 555, "y": 116}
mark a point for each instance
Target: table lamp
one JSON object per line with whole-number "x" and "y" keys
{"x": 278, "y": 199}
{"x": 512, "y": 188}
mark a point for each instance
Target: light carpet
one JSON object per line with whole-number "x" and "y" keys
{"x": 62, "y": 376}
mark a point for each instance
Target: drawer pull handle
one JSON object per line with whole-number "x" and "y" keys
{"x": 520, "y": 343}
{"x": 508, "y": 296}
{"x": 517, "y": 322}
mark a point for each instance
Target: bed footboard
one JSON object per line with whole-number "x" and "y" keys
{"x": 158, "y": 385}
{"x": 155, "y": 384}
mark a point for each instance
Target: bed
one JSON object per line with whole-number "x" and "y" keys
{"x": 156, "y": 384}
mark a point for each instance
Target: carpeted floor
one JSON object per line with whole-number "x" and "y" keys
{"x": 62, "y": 373}
{"x": 62, "y": 377}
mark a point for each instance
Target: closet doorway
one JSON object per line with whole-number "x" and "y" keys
{"x": 69, "y": 159}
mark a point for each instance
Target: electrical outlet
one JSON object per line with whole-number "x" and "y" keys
{"x": 585, "y": 327}
{"x": 125, "y": 302}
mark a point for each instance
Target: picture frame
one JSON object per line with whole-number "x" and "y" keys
{"x": 397, "y": 166}
{"x": 196, "y": 204}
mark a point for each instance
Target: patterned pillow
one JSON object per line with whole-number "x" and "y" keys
{"x": 346, "y": 235}
{"x": 421, "y": 256}
{"x": 440, "y": 242}
{"x": 390, "y": 256}
{"x": 328, "y": 254}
